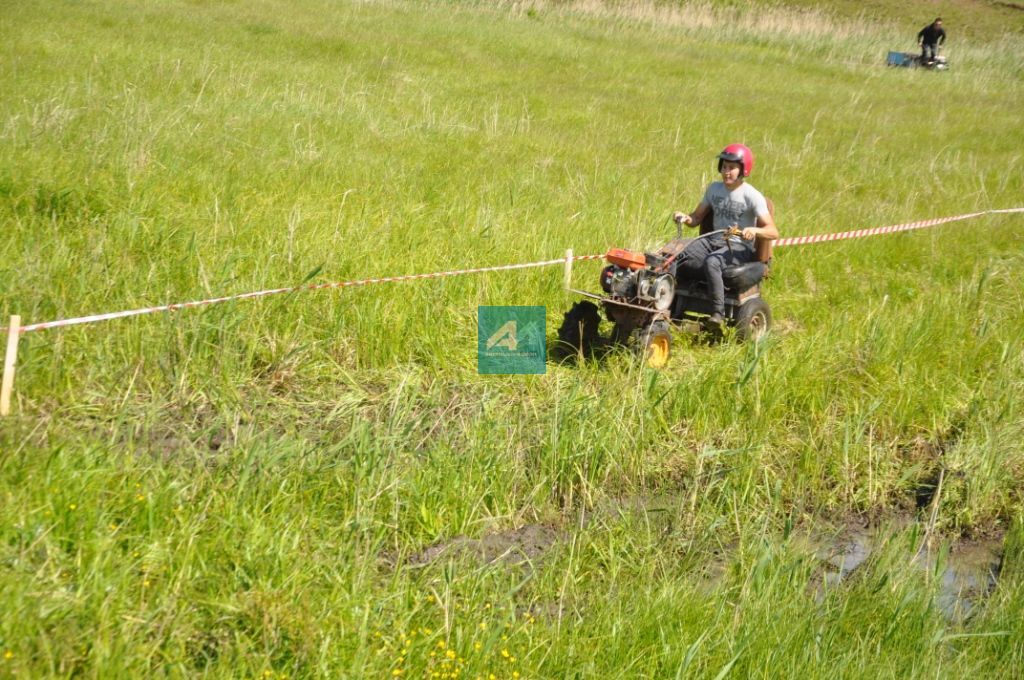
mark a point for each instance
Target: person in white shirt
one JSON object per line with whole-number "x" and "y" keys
{"x": 734, "y": 204}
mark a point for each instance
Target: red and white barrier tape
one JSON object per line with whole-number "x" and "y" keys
{"x": 921, "y": 224}
{"x": 792, "y": 241}
{"x": 274, "y": 291}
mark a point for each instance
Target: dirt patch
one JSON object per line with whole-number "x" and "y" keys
{"x": 528, "y": 544}
{"x": 928, "y": 455}
{"x": 786, "y": 326}
{"x": 665, "y": 504}
{"x": 667, "y": 514}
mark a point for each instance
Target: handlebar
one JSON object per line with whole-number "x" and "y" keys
{"x": 727, "y": 233}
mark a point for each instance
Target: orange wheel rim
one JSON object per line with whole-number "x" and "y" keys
{"x": 657, "y": 352}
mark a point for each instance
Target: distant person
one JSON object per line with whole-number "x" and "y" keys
{"x": 733, "y": 204}
{"x": 929, "y": 38}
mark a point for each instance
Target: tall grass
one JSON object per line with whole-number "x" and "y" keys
{"x": 243, "y": 489}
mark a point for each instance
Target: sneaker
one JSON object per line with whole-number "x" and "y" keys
{"x": 715, "y": 320}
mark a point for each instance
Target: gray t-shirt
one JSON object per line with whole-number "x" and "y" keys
{"x": 741, "y": 206}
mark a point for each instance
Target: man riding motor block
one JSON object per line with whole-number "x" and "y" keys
{"x": 929, "y": 38}
{"x": 734, "y": 203}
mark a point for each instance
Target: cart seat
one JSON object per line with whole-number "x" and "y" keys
{"x": 744, "y": 276}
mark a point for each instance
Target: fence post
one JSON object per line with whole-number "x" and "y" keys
{"x": 7, "y": 386}
{"x": 568, "y": 268}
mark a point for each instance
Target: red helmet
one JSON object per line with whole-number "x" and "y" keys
{"x": 738, "y": 153}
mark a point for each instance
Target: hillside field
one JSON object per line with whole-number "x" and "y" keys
{"x": 321, "y": 484}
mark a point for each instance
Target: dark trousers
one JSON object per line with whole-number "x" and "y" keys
{"x": 928, "y": 51}
{"x": 707, "y": 257}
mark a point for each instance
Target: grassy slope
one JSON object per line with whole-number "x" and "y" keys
{"x": 973, "y": 20}
{"x": 225, "y": 489}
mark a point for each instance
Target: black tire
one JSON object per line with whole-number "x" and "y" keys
{"x": 579, "y": 329}
{"x": 621, "y": 334}
{"x": 753, "y": 320}
{"x": 654, "y": 344}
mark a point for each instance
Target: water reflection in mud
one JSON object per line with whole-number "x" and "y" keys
{"x": 966, "y": 570}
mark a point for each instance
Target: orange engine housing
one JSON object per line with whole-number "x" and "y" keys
{"x": 626, "y": 258}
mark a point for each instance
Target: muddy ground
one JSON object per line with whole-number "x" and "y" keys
{"x": 967, "y": 571}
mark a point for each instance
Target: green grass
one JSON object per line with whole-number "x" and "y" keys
{"x": 236, "y": 491}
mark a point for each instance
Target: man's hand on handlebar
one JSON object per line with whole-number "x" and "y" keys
{"x": 750, "y": 233}
{"x": 682, "y": 218}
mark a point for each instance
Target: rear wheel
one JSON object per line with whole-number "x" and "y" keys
{"x": 655, "y": 344}
{"x": 753, "y": 320}
{"x": 579, "y": 329}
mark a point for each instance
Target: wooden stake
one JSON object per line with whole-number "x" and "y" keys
{"x": 568, "y": 268}
{"x": 7, "y": 386}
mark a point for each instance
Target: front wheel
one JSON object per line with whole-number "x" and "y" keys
{"x": 753, "y": 320}
{"x": 579, "y": 329}
{"x": 654, "y": 344}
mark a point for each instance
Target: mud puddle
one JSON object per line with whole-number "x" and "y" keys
{"x": 528, "y": 544}
{"x": 967, "y": 572}
{"x": 971, "y": 573}
{"x": 964, "y": 571}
